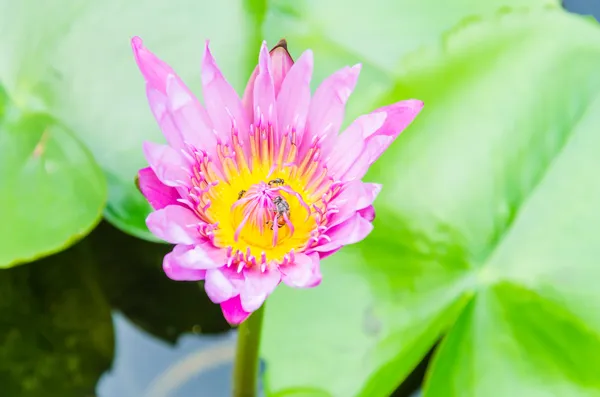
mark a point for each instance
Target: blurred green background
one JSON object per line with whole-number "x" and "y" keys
{"x": 480, "y": 278}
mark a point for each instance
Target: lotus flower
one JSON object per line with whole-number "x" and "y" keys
{"x": 257, "y": 191}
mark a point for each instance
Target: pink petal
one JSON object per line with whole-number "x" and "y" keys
{"x": 158, "y": 194}
{"x": 233, "y": 311}
{"x": 305, "y": 272}
{"x": 168, "y": 165}
{"x": 354, "y": 196}
{"x": 370, "y": 193}
{"x": 175, "y": 271}
{"x": 257, "y": 286}
{"x": 350, "y": 144}
{"x": 399, "y": 116}
{"x": 175, "y": 224}
{"x": 222, "y": 284}
{"x": 327, "y": 107}
{"x": 352, "y": 231}
{"x": 293, "y": 100}
{"x": 323, "y": 255}
{"x": 158, "y": 105}
{"x": 157, "y": 73}
{"x": 264, "y": 90}
{"x": 248, "y": 98}
{"x": 222, "y": 102}
{"x": 368, "y": 213}
{"x": 281, "y": 61}
{"x": 189, "y": 117}
{"x": 200, "y": 256}
{"x": 373, "y": 148}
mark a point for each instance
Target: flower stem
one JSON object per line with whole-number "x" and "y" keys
{"x": 245, "y": 370}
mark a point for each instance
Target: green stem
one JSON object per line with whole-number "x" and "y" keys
{"x": 245, "y": 370}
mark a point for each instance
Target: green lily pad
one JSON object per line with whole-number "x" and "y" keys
{"x": 486, "y": 230}
{"x": 51, "y": 190}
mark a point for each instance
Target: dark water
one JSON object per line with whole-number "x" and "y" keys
{"x": 102, "y": 320}
{"x": 584, "y": 7}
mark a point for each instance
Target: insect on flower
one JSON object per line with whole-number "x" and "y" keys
{"x": 282, "y": 211}
{"x": 233, "y": 167}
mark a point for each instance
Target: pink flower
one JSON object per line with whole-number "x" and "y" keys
{"x": 257, "y": 191}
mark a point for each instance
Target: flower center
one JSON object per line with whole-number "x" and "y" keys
{"x": 264, "y": 203}
{"x": 266, "y": 221}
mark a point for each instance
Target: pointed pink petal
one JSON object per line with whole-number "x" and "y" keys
{"x": 175, "y": 271}
{"x": 399, "y": 116}
{"x": 257, "y": 286}
{"x": 293, "y": 100}
{"x": 168, "y": 165}
{"x": 222, "y": 284}
{"x": 282, "y": 63}
{"x": 157, "y": 193}
{"x": 350, "y": 144}
{"x": 222, "y": 102}
{"x": 175, "y": 224}
{"x": 305, "y": 272}
{"x": 157, "y": 73}
{"x": 328, "y": 105}
{"x": 233, "y": 311}
{"x": 264, "y": 91}
{"x": 352, "y": 231}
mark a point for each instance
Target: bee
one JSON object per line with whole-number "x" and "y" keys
{"x": 282, "y": 210}
{"x": 276, "y": 181}
{"x": 241, "y": 194}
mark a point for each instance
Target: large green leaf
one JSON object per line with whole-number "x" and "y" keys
{"x": 56, "y": 335}
{"x": 81, "y": 69}
{"x": 487, "y": 226}
{"x": 51, "y": 190}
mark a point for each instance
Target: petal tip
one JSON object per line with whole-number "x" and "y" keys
{"x": 263, "y": 53}
{"x": 207, "y": 58}
{"x": 209, "y": 69}
{"x": 137, "y": 43}
{"x": 264, "y": 59}
{"x": 416, "y": 104}
{"x": 307, "y": 56}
